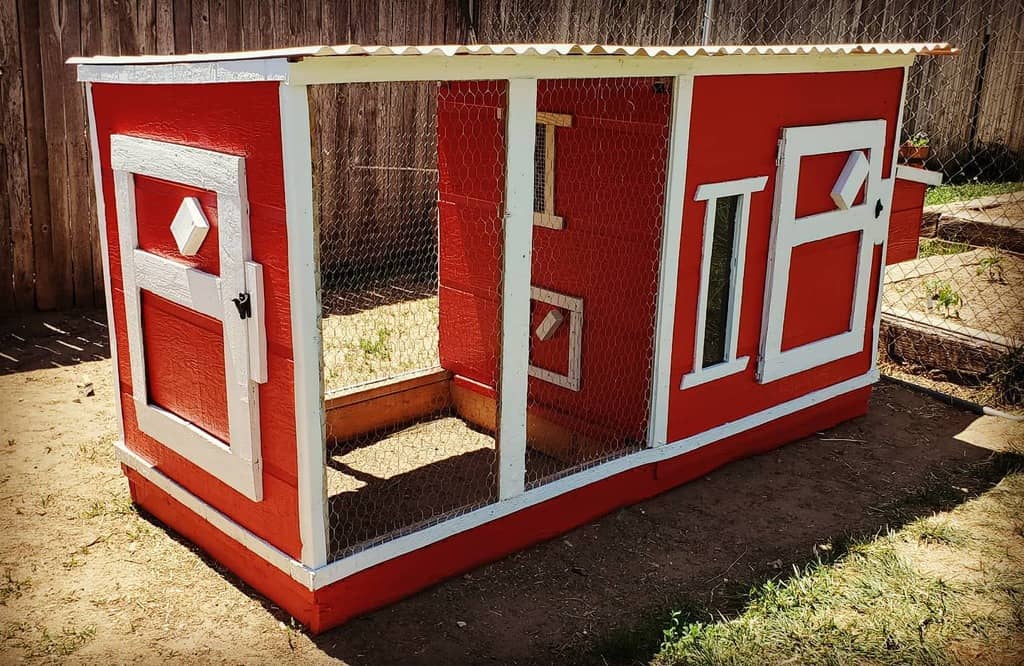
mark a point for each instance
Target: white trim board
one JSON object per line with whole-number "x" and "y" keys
{"x": 517, "y": 243}
{"x": 270, "y": 553}
{"x": 238, "y": 465}
{"x": 923, "y": 176}
{"x": 668, "y": 275}
{"x": 304, "y": 298}
{"x": 340, "y": 569}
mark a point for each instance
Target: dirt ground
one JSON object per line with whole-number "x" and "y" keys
{"x": 85, "y": 578}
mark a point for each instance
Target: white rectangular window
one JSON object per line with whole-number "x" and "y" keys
{"x": 720, "y": 294}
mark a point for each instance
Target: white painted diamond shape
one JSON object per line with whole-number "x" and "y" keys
{"x": 189, "y": 226}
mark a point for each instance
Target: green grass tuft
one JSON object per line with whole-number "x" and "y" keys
{"x": 944, "y": 194}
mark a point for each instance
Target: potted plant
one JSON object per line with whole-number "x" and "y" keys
{"x": 915, "y": 149}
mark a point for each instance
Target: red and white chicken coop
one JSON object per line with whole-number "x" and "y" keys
{"x": 382, "y": 314}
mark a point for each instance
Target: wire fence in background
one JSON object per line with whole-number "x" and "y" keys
{"x": 953, "y": 311}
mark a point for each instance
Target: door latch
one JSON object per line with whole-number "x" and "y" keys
{"x": 243, "y": 304}
{"x": 878, "y": 208}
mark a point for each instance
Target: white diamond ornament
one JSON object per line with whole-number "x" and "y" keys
{"x": 844, "y": 192}
{"x": 189, "y": 226}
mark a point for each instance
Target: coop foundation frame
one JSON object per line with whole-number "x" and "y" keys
{"x": 313, "y": 570}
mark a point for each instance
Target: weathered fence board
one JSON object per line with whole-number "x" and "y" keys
{"x": 49, "y": 250}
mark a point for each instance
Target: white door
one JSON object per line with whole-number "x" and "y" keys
{"x": 235, "y": 298}
{"x": 864, "y": 142}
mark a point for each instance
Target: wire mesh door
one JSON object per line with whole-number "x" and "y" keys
{"x": 410, "y": 182}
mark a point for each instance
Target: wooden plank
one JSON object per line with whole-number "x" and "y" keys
{"x": 79, "y": 211}
{"x": 183, "y": 26}
{"x": 387, "y": 406}
{"x": 16, "y": 178}
{"x": 38, "y": 179}
{"x": 91, "y": 39}
{"x": 378, "y": 389}
{"x": 6, "y": 258}
{"x": 556, "y": 119}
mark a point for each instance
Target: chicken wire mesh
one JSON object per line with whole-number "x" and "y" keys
{"x": 409, "y": 180}
{"x": 953, "y": 316}
{"x": 599, "y": 168}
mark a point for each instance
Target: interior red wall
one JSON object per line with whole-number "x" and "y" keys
{"x": 736, "y": 122}
{"x": 609, "y": 190}
{"x": 240, "y": 119}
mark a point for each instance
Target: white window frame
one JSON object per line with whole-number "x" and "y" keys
{"x": 743, "y": 188}
{"x": 789, "y": 232}
{"x": 571, "y": 380}
{"x": 238, "y": 465}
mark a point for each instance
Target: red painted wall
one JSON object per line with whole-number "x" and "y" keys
{"x": 185, "y": 375}
{"x": 735, "y": 125}
{"x": 905, "y": 222}
{"x": 609, "y": 190}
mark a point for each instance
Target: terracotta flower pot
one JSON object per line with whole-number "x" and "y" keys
{"x": 911, "y": 153}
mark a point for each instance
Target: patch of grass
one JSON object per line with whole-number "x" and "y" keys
{"x": 882, "y": 603}
{"x": 116, "y": 507}
{"x": 379, "y": 346}
{"x": 943, "y": 194}
{"x": 937, "y": 531}
{"x": 46, "y": 644}
{"x": 933, "y": 247}
{"x": 11, "y": 587}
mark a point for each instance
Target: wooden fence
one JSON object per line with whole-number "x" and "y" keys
{"x": 49, "y": 252}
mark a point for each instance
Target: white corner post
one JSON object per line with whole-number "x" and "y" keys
{"x": 671, "y": 235}
{"x": 304, "y": 294}
{"x": 876, "y": 328}
{"x": 520, "y": 136}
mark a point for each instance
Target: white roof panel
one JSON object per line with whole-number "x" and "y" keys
{"x": 552, "y": 50}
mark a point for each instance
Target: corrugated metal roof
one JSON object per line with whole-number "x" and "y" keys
{"x": 547, "y": 50}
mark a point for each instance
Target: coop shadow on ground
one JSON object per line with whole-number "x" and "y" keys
{"x": 608, "y": 586}
{"x": 699, "y": 545}
{"x": 52, "y": 340}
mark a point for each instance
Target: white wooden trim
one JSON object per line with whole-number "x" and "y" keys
{"x": 206, "y": 169}
{"x": 375, "y": 555}
{"x": 312, "y": 71}
{"x": 101, "y": 219}
{"x": 307, "y": 350}
{"x": 744, "y": 189}
{"x": 668, "y": 275}
{"x": 854, "y": 172}
{"x": 788, "y": 231}
{"x": 520, "y": 137}
{"x": 318, "y": 577}
{"x": 923, "y": 176}
{"x": 273, "y": 69}
{"x": 239, "y": 465}
{"x": 894, "y": 173}
{"x": 570, "y": 380}
{"x": 227, "y": 526}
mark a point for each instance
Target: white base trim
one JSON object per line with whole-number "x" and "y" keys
{"x": 335, "y": 571}
{"x": 229, "y": 527}
{"x": 713, "y": 372}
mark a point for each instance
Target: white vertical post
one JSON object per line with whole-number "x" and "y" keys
{"x": 897, "y": 139}
{"x": 304, "y": 294}
{"x": 671, "y": 232}
{"x": 101, "y": 217}
{"x": 520, "y": 136}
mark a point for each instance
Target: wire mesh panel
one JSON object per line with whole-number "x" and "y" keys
{"x": 600, "y": 163}
{"x": 409, "y": 180}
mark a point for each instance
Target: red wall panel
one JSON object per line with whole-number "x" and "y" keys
{"x": 736, "y": 122}
{"x": 240, "y": 119}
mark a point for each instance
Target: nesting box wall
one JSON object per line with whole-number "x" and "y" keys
{"x": 184, "y": 351}
{"x": 609, "y": 183}
{"x": 736, "y": 124}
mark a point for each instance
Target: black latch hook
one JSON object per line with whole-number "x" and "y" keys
{"x": 878, "y": 208}
{"x": 243, "y": 304}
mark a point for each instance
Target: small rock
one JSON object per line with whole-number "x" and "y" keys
{"x": 775, "y": 564}
{"x": 462, "y": 625}
{"x": 85, "y": 388}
